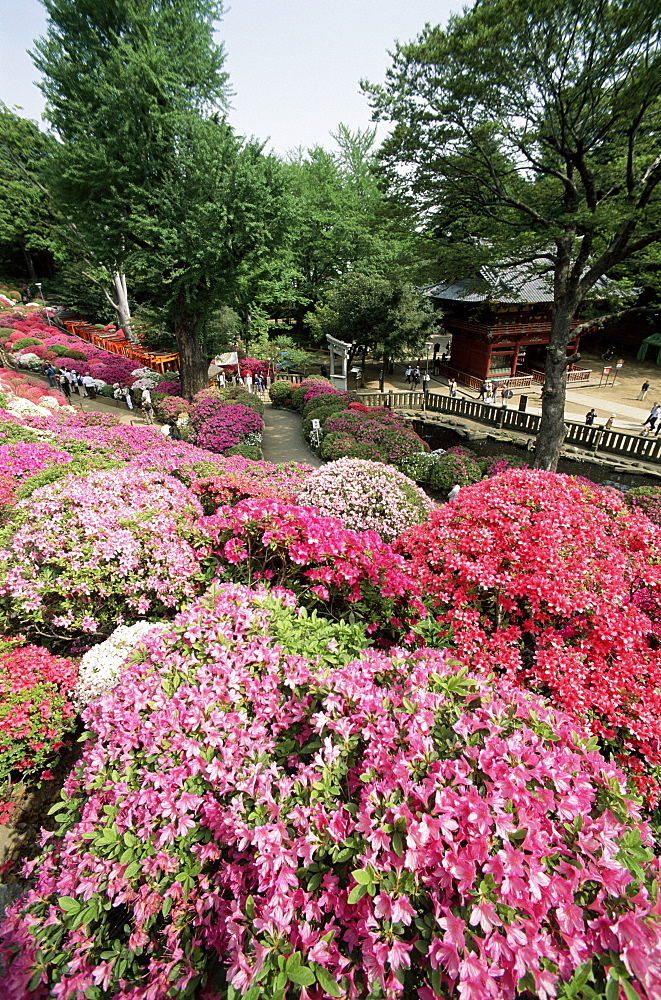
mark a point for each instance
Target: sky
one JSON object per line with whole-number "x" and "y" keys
{"x": 294, "y": 65}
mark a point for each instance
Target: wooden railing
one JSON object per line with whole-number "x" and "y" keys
{"x": 593, "y": 438}
{"x": 115, "y": 343}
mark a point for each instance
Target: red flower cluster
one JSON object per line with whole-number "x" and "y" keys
{"x": 556, "y": 583}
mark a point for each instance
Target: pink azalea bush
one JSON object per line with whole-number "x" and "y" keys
{"x": 221, "y": 425}
{"x": 557, "y": 584}
{"x": 88, "y": 554}
{"x": 333, "y": 570}
{"x": 394, "y": 440}
{"x": 253, "y": 815}
{"x": 366, "y": 496}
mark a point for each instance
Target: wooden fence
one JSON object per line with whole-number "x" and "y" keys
{"x": 593, "y": 438}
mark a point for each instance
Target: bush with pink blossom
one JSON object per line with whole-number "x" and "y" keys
{"x": 84, "y": 555}
{"x": 263, "y": 814}
{"x": 366, "y": 496}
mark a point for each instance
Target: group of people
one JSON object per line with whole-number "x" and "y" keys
{"x": 69, "y": 381}
{"x": 256, "y": 383}
{"x": 591, "y": 416}
{"x": 489, "y": 391}
{"x": 414, "y": 377}
{"x": 652, "y": 421}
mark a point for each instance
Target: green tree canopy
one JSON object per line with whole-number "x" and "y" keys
{"x": 155, "y": 180}
{"x": 529, "y": 131}
{"x": 389, "y": 318}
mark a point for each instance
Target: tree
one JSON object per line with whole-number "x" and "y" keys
{"x": 27, "y": 244}
{"x": 151, "y": 174}
{"x": 389, "y": 318}
{"x": 532, "y": 135}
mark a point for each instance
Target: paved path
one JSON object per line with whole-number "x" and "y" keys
{"x": 283, "y": 440}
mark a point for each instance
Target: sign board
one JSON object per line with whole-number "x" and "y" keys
{"x": 619, "y": 364}
{"x": 607, "y": 371}
{"x": 316, "y": 425}
{"x": 231, "y": 358}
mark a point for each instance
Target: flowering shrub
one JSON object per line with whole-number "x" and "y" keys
{"x": 168, "y": 408}
{"x": 366, "y": 496}
{"x": 100, "y": 551}
{"x": 35, "y": 708}
{"x": 338, "y": 400}
{"x": 418, "y": 465}
{"x": 309, "y": 388}
{"x": 274, "y": 817}
{"x": 556, "y": 583}
{"x": 339, "y": 445}
{"x": 101, "y": 666}
{"x": 333, "y": 569}
{"x": 238, "y": 479}
{"x": 495, "y": 465}
{"x": 394, "y": 439}
{"x": 23, "y": 458}
{"x": 226, "y": 425}
{"x": 646, "y": 499}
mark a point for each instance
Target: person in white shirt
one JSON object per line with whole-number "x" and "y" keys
{"x": 454, "y": 492}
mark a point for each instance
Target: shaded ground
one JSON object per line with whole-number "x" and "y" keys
{"x": 283, "y": 440}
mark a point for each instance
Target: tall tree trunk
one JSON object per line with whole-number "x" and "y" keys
{"x": 193, "y": 364}
{"x": 121, "y": 304}
{"x": 552, "y": 428}
{"x": 30, "y": 263}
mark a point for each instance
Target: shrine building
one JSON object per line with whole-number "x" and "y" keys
{"x": 499, "y": 323}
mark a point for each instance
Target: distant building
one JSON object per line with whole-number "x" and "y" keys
{"x": 499, "y": 321}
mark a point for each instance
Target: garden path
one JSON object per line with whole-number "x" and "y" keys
{"x": 283, "y": 440}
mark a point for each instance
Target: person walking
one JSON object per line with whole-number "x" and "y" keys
{"x": 88, "y": 382}
{"x": 609, "y": 423}
{"x": 644, "y": 390}
{"x": 416, "y": 379}
{"x": 452, "y": 387}
{"x": 128, "y": 396}
{"x": 652, "y": 417}
{"x": 484, "y": 389}
{"x": 146, "y": 396}
{"x": 64, "y": 385}
{"x": 590, "y": 417}
{"x": 408, "y": 373}
{"x": 82, "y": 389}
{"x": 425, "y": 383}
{"x": 147, "y": 408}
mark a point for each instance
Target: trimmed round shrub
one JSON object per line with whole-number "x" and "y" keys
{"x": 168, "y": 408}
{"x": 454, "y": 467}
{"x": 339, "y": 400}
{"x": 89, "y": 554}
{"x": 250, "y": 451}
{"x": 340, "y": 445}
{"x": 418, "y": 466}
{"x": 366, "y": 496}
{"x": 26, "y": 342}
{"x": 280, "y": 393}
{"x": 401, "y": 830}
{"x": 322, "y": 414}
{"x": 308, "y": 389}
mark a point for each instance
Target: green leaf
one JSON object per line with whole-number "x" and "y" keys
{"x": 68, "y": 904}
{"x": 629, "y": 990}
{"x": 301, "y": 975}
{"x": 362, "y": 877}
{"x": 612, "y": 989}
{"x": 357, "y": 893}
{"x": 327, "y": 982}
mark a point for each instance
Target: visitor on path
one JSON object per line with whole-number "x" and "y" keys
{"x": 425, "y": 383}
{"x": 88, "y": 382}
{"x": 64, "y": 385}
{"x": 128, "y": 396}
{"x": 248, "y": 381}
{"x": 590, "y": 417}
{"x": 146, "y": 396}
{"x": 484, "y": 389}
{"x": 452, "y": 386}
{"x": 175, "y": 433}
{"x": 81, "y": 385}
{"x": 609, "y": 422}
{"x": 259, "y": 385}
{"x": 454, "y": 492}
{"x": 505, "y": 394}
{"x": 416, "y": 379}
{"x": 652, "y": 417}
{"x": 408, "y": 373}
{"x": 45, "y": 368}
{"x": 220, "y": 380}
{"x": 147, "y": 408}
{"x": 644, "y": 390}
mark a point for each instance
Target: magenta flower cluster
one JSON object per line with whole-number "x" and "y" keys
{"x": 222, "y": 425}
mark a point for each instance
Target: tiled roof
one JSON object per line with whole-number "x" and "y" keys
{"x": 507, "y": 284}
